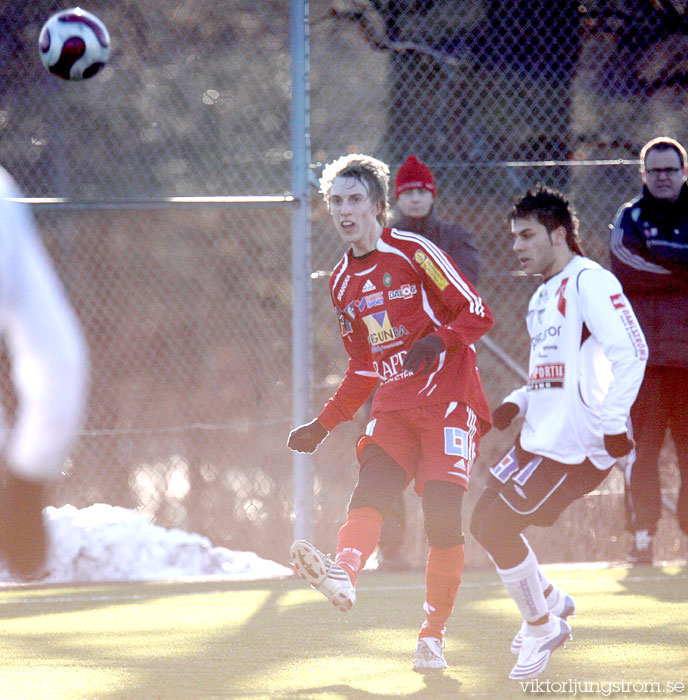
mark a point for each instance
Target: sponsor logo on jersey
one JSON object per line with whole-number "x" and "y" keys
{"x": 630, "y": 324}
{"x": 368, "y": 287}
{"x": 345, "y": 284}
{"x": 376, "y": 299}
{"x": 461, "y": 465}
{"x": 561, "y": 304}
{"x": 542, "y": 336}
{"x": 380, "y": 329}
{"x": 618, "y": 301}
{"x": 390, "y": 369}
{"x": 406, "y": 291}
{"x": 431, "y": 269}
{"x": 547, "y": 376}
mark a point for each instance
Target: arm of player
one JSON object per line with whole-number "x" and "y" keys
{"x": 360, "y": 378}
{"x": 48, "y": 355}
{"x": 611, "y": 320}
{"x": 504, "y": 414}
{"x": 356, "y": 386}
{"x": 514, "y": 405}
{"x": 470, "y": 317}
{"x": 306, "y": 438}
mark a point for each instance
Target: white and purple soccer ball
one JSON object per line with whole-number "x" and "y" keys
{"x": 74, "y": 44}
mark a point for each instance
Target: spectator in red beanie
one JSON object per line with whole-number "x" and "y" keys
{"x": 415, "y": 192}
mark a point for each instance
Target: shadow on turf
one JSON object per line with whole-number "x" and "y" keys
{"x": 649, "y": 580}
{"x": 437, "y": 685}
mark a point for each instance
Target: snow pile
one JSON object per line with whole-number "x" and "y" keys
{"x": 110, "y": 543}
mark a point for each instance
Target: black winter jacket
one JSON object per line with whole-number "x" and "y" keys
{"x": 649, "y": 255}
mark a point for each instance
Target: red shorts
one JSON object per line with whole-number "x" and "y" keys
{"x": 432, "y": 443}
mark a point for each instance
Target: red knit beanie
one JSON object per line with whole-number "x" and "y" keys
{"x": 414, "y": 175}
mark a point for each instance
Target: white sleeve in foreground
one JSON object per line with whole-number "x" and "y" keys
{"x": 47, "y": 351}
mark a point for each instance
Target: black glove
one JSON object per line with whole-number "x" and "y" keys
{"x": 504, "y": 414}
{"x": 307, "y": 437}
{"x": 423, "y": 352}
{"x": 618, "y": 445}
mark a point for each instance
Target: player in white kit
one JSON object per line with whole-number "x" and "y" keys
{"x": 587, "y": 359}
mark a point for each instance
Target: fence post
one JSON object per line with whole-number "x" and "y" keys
{"x": 301, "y": 262}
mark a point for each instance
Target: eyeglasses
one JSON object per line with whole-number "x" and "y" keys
{"x": 656, "y": 172}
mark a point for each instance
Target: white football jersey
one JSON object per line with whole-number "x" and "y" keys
{"x": 587, "y": 361}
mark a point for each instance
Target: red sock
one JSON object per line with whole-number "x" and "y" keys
{"x": 358, "y": 538}
{"x": 442, "y": 578}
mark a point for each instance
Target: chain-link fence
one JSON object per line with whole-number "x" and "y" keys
{"x": 187, "y": 308}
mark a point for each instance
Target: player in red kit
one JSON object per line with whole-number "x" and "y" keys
{"x": 408, "y": 320}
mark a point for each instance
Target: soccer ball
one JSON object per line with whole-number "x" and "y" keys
{"x": 74, "y": 44}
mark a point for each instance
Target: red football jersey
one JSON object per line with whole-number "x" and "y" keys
{"x": 398, "y": 293}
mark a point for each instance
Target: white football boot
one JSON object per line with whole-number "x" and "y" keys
{"x": 560, "y": 604}
{"x": 428, "y": 656}
{"x": 535, "y": 651}
{"x": 323, "y": 574}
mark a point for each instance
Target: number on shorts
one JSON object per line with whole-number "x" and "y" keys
{"x": 506, "y": 467}
{"x": 527, "y": 471}
{"x": 456, "y": 442}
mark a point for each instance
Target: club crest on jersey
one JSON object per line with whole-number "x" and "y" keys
{"x": 561, "y": 304}
{"x": 368, "y": 287}
{"x": 431, "y": 269}
{"x": 380, "y": 329}
{"x": 387, "y": 279}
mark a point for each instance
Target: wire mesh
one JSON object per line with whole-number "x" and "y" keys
{"x": 187, "y": 310}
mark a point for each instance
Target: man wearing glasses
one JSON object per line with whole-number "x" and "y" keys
{"x": 649, "y": 255}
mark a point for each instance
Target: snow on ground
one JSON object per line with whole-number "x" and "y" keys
{"x": 110, "y": 543}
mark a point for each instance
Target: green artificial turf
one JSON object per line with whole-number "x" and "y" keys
{"x": 282, "y": 640}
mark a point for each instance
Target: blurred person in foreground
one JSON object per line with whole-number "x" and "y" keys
{"x": 408, "y": 320}
{"x": 587, "y": 356}
{"x": 48, "y": 370}
{"x": 415, "y": 192}
{"x": 649, "y": 255}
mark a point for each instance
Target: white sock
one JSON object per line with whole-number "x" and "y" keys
{"x": 522, "y": 583}
{"x": 544, "y": 582}
{"x": 553, "y": 597}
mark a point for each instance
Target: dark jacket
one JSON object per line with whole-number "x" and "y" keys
{"x": 649, "y": 255}
{"x": 453, "y": 238}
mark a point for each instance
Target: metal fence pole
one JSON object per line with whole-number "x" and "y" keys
{"x": 301, "y": 262}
